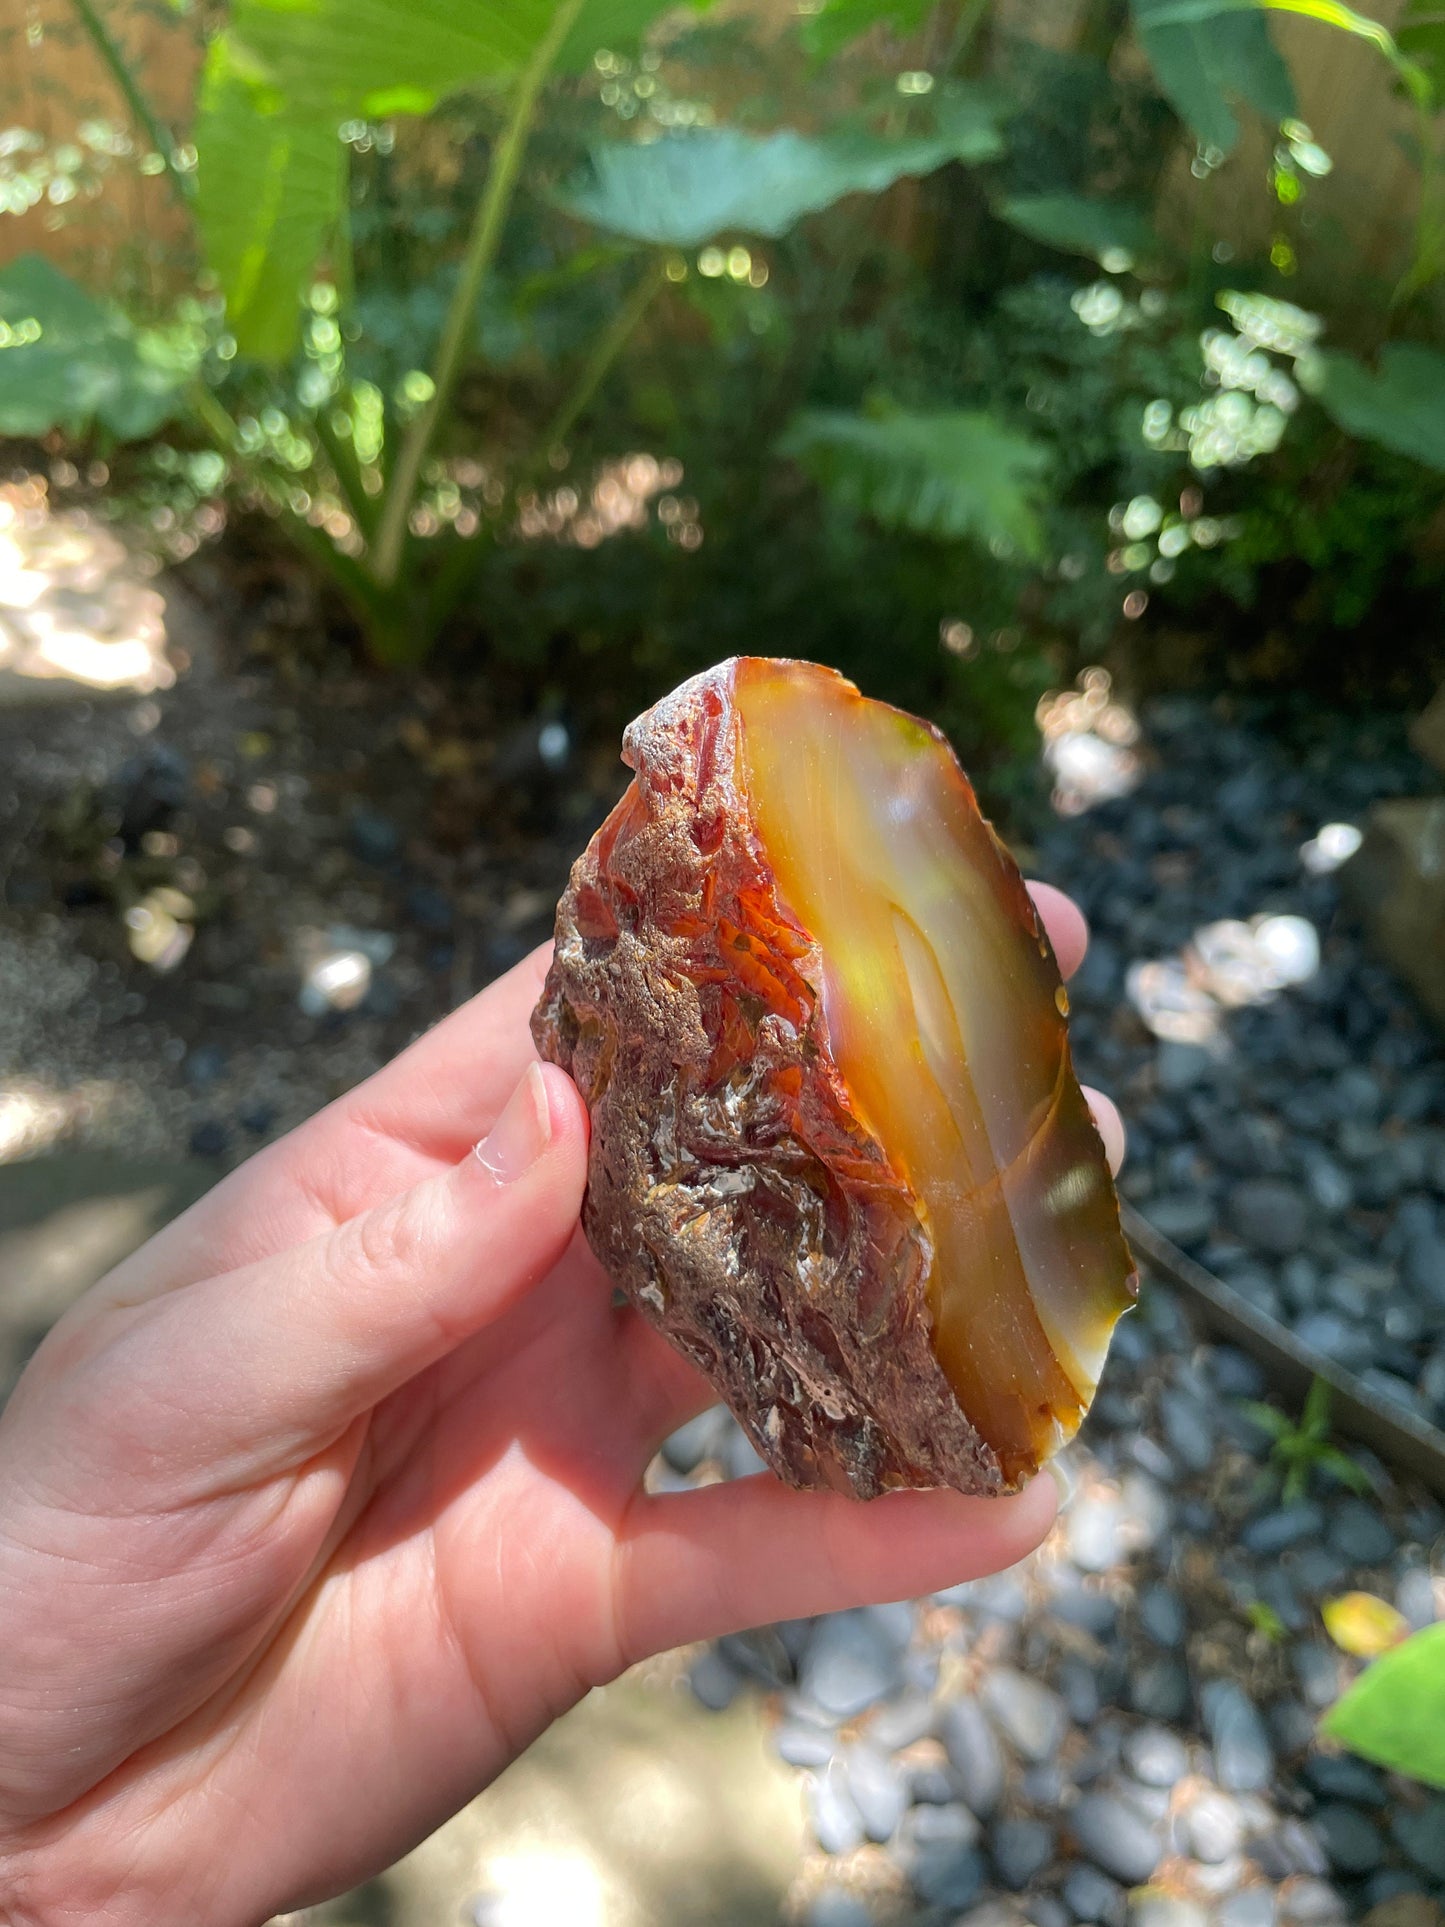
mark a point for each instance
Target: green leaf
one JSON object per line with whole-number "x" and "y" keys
{"x": 1420, "y": 34}
{"x": 1395, "y": 1711}
{"x": 67, "y": 361}
{"x": 362, "y": 59}
{"x": 840, "y": 22}
{"x": 956, "y": 473}
{"x": 690, "y": 186}
{"x": 1400, "y": 405}
{"x": 269, "y": 188}
{"x": 1077, "y": 224}
{"x": 1207, "y": 54}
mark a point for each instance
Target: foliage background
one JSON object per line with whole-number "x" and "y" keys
{"x": 907, "y": 317}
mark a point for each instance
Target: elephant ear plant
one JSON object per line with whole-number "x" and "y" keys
{"x": 356, "y": 472}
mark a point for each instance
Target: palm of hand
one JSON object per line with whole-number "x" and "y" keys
{"x": 336, "y": 1578}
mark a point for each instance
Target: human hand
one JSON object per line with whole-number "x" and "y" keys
{"x": 320, "y": 1507}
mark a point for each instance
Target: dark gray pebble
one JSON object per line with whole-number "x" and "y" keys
{"x": 1156, "y": 1757}
{"x": 1420, "y": 1834}
{"x": 974, "y": 1754}
{"x": 878, "y": 1789}
{"x": 850, "y": 1663}
{"x": 1243, "y": 1756}
{"x": 1273, "y": 1532}
{"x": 1162, "y": 1617}
{"x": 1030, "y": 1715}
{"x": 1350, "y": 1838}
{"x": 1359, "y": 1534}
{"x": 1020, "y": 1849}
{"x": 1159, "y": 1690}
{"x": 713, "y": 1681}
{"x": 1115, "y": 1838}
{"x": 1250, "y": 1907}
{"x": 1091, "y": 1896}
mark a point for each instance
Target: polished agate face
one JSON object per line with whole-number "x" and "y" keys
{"x": 839, "y": 1151}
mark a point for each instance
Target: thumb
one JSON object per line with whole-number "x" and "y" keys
{"x": 286, "y": 1352}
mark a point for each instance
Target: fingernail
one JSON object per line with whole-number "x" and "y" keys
{"x": 522, "y": 1133}
{"x": 1063, "y": 1477}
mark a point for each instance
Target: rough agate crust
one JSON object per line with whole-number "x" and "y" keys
{"x": 839, "y": 1154}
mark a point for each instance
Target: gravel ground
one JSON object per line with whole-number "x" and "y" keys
{"x": 1121, "y": 1729}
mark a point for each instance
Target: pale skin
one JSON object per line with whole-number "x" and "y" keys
{"x": 323, "y": 1505}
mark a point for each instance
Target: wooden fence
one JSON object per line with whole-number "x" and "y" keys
{"x": 1358, "y": 218}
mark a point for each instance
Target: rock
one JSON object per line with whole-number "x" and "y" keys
{"x": 701, "y": 1438}
{"x": 1092, "y": 1528}
{"x": 1180, "y": 1066}
{"x": 803, "y": 1745}
{"x": 1396, "y": 882}
{"x": 1156, "y": 1757}
{"x": 1420, "y": 1835}
{"x": 1422, "y": 1268}
{"x": 1031, "y": 1716}
{"x": 1189, "y": 1431}
{"x": 1162, "y": 1617}
{"x": 1080, "y": 1689}
{"x": 1043, "y": 1786}
{"x": 713, "y": 1681}
{"x": 1091, "y": 1896}
{"x": 1274, "y": 1532}
{"x": 1350, "y": 1838}
{"x": 1159, "y": 1690}
{"x": 1020, "y": 1849}
{"x": 1342, "y": 1776}
{"x": 1185, "y": 1217}
{"x": 837, "y": 1823}
{"x": 908, "y": 1718}
{"x": 1165, "y": 1910}
{"x": 974, "y": 1754}
{"x": 1415, "y": 1596}
{"x": 1212, "y": 1827}
{"x": 1117, "y": 1840}
{"x": 947, "y": 1876}
{"x": 850, "y": 1663}
{"x": 834, "y": 1907}
{"x": 878, "y": 1791}
{"x": 1047, "y": 1910}
{"x": 1307, "y": 1901}
{"x": 1358, "y": 1533}
{"x": 1250, "y": 1907}
{"x": 1269, "y": 1215}
{"x": 1243, "y": 1757}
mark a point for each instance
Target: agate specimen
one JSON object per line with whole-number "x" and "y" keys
{"x": 839, "y": 1154}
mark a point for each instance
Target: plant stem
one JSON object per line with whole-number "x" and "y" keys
{"x": 145, "y": 116}
{"x": 607, "y": 347}
{"x": 482, "y": 246}
{"x": 346, "y": 469}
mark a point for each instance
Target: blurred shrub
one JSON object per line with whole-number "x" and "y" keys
{"x": 931, "y": 393}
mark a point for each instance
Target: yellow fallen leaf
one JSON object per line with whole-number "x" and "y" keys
{"x": 1362, "y": 1625}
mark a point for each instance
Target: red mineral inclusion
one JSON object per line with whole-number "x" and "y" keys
{"x": 839, "y": 1152}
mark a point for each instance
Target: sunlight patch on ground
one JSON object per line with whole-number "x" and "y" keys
{"x": 74, "y": 610}
{"x": 34, "y": 1116}
{"x": 1089, "y": 737}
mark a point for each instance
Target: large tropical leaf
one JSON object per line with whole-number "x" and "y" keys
{"x": 842, "y": 21}
{"x": 1395, "y": 1711}
{"x": 1207, "y": 54}
{"x": 1420, "y": 34}
{"x": 690, "y": 186}
{"x": 1400, "y": 405}
{"x": 67, "y": 361}
{"x": 950, "y": 474}
{"x": 365, "y": 59}
{"x": 269, "y": 193}
{"x": 1076, "y": 224}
